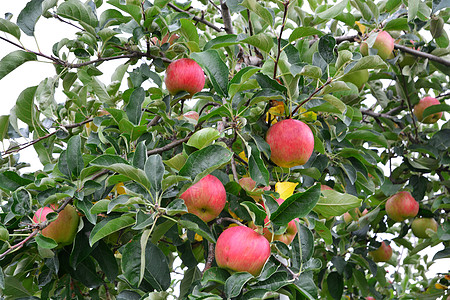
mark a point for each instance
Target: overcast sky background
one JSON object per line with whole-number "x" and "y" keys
{"x": 50, "y": 31}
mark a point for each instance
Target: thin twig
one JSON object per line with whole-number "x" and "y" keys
{"x": 233, "y": 169}
{"x": 275, "y": 67}
{"x": 210, "y": 258}
{"x": 170, "y": 145}
{"x": 226, "y": 17}
{"x": 226, "y": 219}
{"x": 194, "y": 17}
{"x": 380, "y": 115}
{"x": 312, "y": 95}
{"x": 67, "y": 22}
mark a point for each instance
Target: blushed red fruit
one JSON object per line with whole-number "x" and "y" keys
{"x": 402, "y": 206}
{"x": 422, "y": 105}
{"x": 249, "y": 185}
{"x": 370, "y": 298}
{"x": 241, "y": 249}
{"x": 348, "y": 218}
{"x": 205, "y": 199}
{"x": 291, "y": 143}
{"x": 325, "y": 187}
{"x": 419, "y": 227}
{"x": 64, "y": 228}
{"x": 287, "y": 237}
{"x": 384, "y": 253}
{"x": 184, "y": 75}
{"x": 384, "y": 43}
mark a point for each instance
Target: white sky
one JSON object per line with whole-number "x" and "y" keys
{"x": 48, "y": 32}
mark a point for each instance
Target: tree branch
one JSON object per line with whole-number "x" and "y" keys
{"x": 312, "y": 95}
{"x": 210, "y": 258}
{"x": 170, "y": 145}
{"x": 226, "y": 219}
{"x": 275, "y": 67}
{"x": 226, "y": 18}
{"x": 194, "y": 17}
{"x": 379, "y": 115}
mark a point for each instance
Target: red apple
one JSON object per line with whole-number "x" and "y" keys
{"x": 184, "y": 75}
{"x": 402, "y": 206}
{"x": 249, "y": 185}
{"x": 384, "y": 43}
{"x": 370, "y": 298}
{"x": 420, "y": 107}
{"x": 324, "y": 187}
{"x": 419, "y": 227}
{"x": 358, "y": 78}
{"x": 291, "y": 143}
{"x": 64, "y": 228}
{"x": 205, "y": 199}
{"x": 241, "y": 249}
{"x": 287, "y": 237}
{"x": 348, "y": 218}
{"x": 383, "y": 253}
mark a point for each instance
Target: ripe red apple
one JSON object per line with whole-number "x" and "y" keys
{"x": 64, "y": 228}
{"x": 420, "y": 107}
{"x": 291, "y": 143}
{"x": 241, "y": 249}
{"x": 384, "y": 43}
{"x": 287, "y": 237}
{"x": 249, "y": 185}
{"x": 419, "y": 227}
{"x": 383, "y": 253}
{"x": 402, "y": 206}
{"x": 205, "y": 199}
{"x": 370, "y": 298}
{"x": 184, "y": 75}
{"x": 358, "y": 78}
{"x": 348, "y": 218}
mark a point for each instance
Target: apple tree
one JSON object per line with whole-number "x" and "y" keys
{"x": 159, "y": 161}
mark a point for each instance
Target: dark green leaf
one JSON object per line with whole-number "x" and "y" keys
{"x": 140, "y": 156}
{"x": 10, "y": 27}
{"x": 301, "y": 32}
{"x": 106, "y": 260}
{"x": 215, "y": 274}
{"x": 296, "y": 206}
{"x": 77, "y": 11}
{"x": 439, "y": 4}
{"x": 29, "y": 15}
{"x": 45, "y": 242}
{"x": 260, "y": 10}
{"x": 333, "y": 11}
{"x": 215, "y": 68}
{"x": 257, "y": 167}
{"x": 13, "y": 60}
{"x": 326, "y": 48}
{"x": 108, "y": 226}
{"x": 335, "y": 285}
{"x": 235, "y": 283}
{"x": 11, "y": 181}
{"x": 134, "y": 107}
{"x": 204, "y": 161}
{"x": 157, "y": 271}
{"x": 442, "y": 254}
{"x": 261, "y": 41}
{"x": 74, "y": 157}
{"x": 154, "y": 169}
{"x": 194, "y": 223}
{"x": 435, "y": 109}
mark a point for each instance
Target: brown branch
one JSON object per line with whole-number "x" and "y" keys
{"x": 233, "y": 169}
{"x": 194, "y": 17}
{"x": 275, "y": 67}
{"x": 154, "y": 121}
{"x": 30, "y": 143}
{"x": 312, "y": 95}
{"x": 379, "y": 115}
{"x": 226, "y": 219}
{"x": 423, "y": 54}
{"x": 38, "y": 228}
{"x": 210, "y": 258}
{"x": 169, "y": 146}
{"x": 67, "y": 22}
{"x": 226, "y": 18}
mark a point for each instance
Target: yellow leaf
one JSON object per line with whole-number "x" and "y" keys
{"x": 285, "y": 189}
{"x": 120, "y": 189}
{"x": 198, "y": 238}
{"x": 243, "y": 156}
{"x": 361, "y": 27}
{"x": 440, "y": 286}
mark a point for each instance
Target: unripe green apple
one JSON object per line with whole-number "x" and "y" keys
{"x": 422, "y": 105}
{"x": 205, "y": 199}
{"x": 419, "y": 227}
{"x": 382, "y": 254}
{"x": 402, "y": 206}
{"x": 241, "y": 249}
{"x": 184, "y": 75}
{"x": 64, "y": 228}
{"x": 291, "y": 143}
{"x": 358, "y": 78}
{"x": 384, "y": 43}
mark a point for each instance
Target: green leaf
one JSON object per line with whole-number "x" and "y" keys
{"x": 333, "y": 11}
{"x": 301, "y": 32}
{"x": 221, "y": 41}
{"x": 176, "y": 206}
{"x": 29, "y": 15}
{"x": 256, "y": 212}
{"x": 413, "y": 8}
{"x": 45, "y": 242}
{"x": 296, "y": 206}
{"x": 157, "y": 271}
{"x": 106, "y": 260}
{"x": 326, "y": 48}
{"x": 369, "y": 62}
{"x": 435, "y": 109}
{"x": 203, "y": 137}
{"x": 261, "y": 41}
{"x": 311, "y": 71}
{"x": 334, "y": 203}
{"x": 108, "y": 226}
{"x": 74, "y": 156}
{"x": 305, "y": 241}
{"x": 10, "y": 27}
{"x": 108, "y": 159}
{"x": 442, "y": 254}
{"x": 215, "y": 68}
{"x": 323, "y": 231}
{"x": 335, "y": 102}
{"x": 369, "y": 136}
{"x": 132, "y": 10}
{"x": 13, "y": 60}
{"x": 397, "y": 24}
{"x": 335, "y": 86}
{"x": 335, "y": 285}
{"x": 240, "y": 80}
{"x": 4, "y": 126}
{"x": 24, "y": 108}
{"x": 154, "y": 169}
{"x": 140, "y": 156}
{"x": 439, "y": 4}
{"x": 194, "y": 223}
{"x": 257, "y": 167}
{"x": 11, "y": 181}
{"x": 235, "y": 283}
{"x": 216, "y": 275}
{"x": 77, "y": 11}
{"x": 189, "y": 31}
{"x": 204, "y": 161}
{"x": 260, "y": 10}
{"x": 134, "y": 107}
